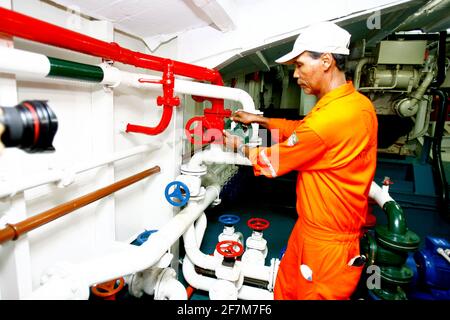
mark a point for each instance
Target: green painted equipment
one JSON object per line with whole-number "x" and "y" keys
{"x": 388, "y": 248}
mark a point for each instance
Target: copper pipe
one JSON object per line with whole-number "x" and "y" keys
{"x": 14, "y": 231}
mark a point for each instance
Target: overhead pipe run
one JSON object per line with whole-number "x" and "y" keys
{"x": 26, "y": 27}
{"x": 14, "y": 231}
{"x": 19, "y": 25}
{"x": 29, "y": 64}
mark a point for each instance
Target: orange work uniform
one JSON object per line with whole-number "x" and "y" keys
{"x": 334, "y": 151}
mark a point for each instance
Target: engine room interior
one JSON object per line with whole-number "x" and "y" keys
{"x": 115, "y": 183}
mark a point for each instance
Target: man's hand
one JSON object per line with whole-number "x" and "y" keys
{"x": 232, "y": 142}
{"x": 249, "y": 118}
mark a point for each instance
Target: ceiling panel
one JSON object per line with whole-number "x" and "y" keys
{"x": 142, "y": 18}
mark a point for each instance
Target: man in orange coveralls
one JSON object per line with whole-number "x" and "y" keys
{"x": 334, "y": 151}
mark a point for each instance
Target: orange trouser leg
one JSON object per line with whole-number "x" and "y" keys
{"x": 332, "y": 278}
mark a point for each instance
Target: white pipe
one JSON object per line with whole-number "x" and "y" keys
{"x": 422, "y": 119}
{"x": 129, "y": 260}
{"x": 172, "y": 289}
{"x": 208, "y": 262}
{"x": 36, "y": 65}
{"x": 25, "y": 63}
{"x": 215, "y": 155}
{"x": 200, "y": 228}
{"x": 358, "y": 69}
{"x": 186, "y": 87}
{"x": 206, "y": 283}
{"x": 66, "y": 176}
{"x": 60, "y": 289}
{"x": 195, "y": 255}
{"x": 379, "y": 195}
{"x": 139, "y": 258}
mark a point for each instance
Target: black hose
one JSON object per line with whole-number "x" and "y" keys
{"x": 436, "y": 149}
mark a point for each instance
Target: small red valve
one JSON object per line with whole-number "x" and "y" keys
{"x": 108, "y": 290}
{"x": 387, "y": 181}
{"x": 258, "y": 224}
{"x": 229, "y": 248}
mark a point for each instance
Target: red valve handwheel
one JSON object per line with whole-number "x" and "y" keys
{"x": 258, "y": 224}
{"x": 108, "y": 290}
{"x": 229, "y": 248}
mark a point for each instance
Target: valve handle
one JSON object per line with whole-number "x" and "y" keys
{"x": 179, "y": 195}
{"x": 196, "y": 134}
{"x": 243, "y": 131}
{"x": 258, "y": 224}
{"x": 229, "y": 219}
{"x": 109, "y": 289}
{"x": 229, "y": 248}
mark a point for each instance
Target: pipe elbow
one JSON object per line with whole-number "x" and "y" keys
{"x": 396, "y": 217}
{"x": 171, "y": 289}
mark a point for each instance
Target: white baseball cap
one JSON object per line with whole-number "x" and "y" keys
{"x": 324, "y": 37}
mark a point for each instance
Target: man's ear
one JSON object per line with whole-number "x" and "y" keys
{"x": 326, "y": 61}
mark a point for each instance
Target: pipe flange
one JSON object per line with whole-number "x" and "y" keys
{"x": 165, "y": 275}
{"x": 200, "y": 196}
{"x": 402, "y": 242}
{"x": 199, "y": 170}
{"x": 396, "y": 275}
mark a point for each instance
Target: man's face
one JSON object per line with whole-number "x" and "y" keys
{"x": 309, "y": 73}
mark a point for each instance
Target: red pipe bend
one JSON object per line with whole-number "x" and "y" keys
{"x": 165, "y": 120}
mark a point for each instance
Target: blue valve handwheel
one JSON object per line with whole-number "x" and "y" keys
{"x": 229, "y": 219}
{"x": 180, "y": 194}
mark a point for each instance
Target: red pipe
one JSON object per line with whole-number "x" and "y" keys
{"x": 22, "y": 26}
{"x": 19, "y": 25}
{"x": 165, "y": 120}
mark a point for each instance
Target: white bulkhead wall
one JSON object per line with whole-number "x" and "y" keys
{"x": 89, "y": 127}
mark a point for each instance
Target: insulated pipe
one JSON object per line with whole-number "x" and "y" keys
{"x": 22, "y": 26}
{"x": 14, "y": 231}
{"x": 209, "y": 262}
{"x": 358, "y": 70}
{"x": 134, "y": 259}
{"x": 396, "y": 217}
{"x": 36, "y": 65}
{"x": 214, "y": 155}
{"x": 171, "y": 289}
{"x": 206, "y": 283}
{"x": 379, "y": 195}
{"x": 200, "y": 228}
{"x": 66, "y": 176}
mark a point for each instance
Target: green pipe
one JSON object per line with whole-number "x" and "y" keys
{"x": 74, "y": 70}
{"x": 396, "y": 218}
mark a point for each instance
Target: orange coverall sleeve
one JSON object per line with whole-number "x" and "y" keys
{"x": 286, "y": 127}
{"x": 303, "y": 150}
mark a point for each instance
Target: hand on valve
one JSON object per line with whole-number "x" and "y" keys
{"x": 232, "y": 142}
{"x": 245, "y": 117}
